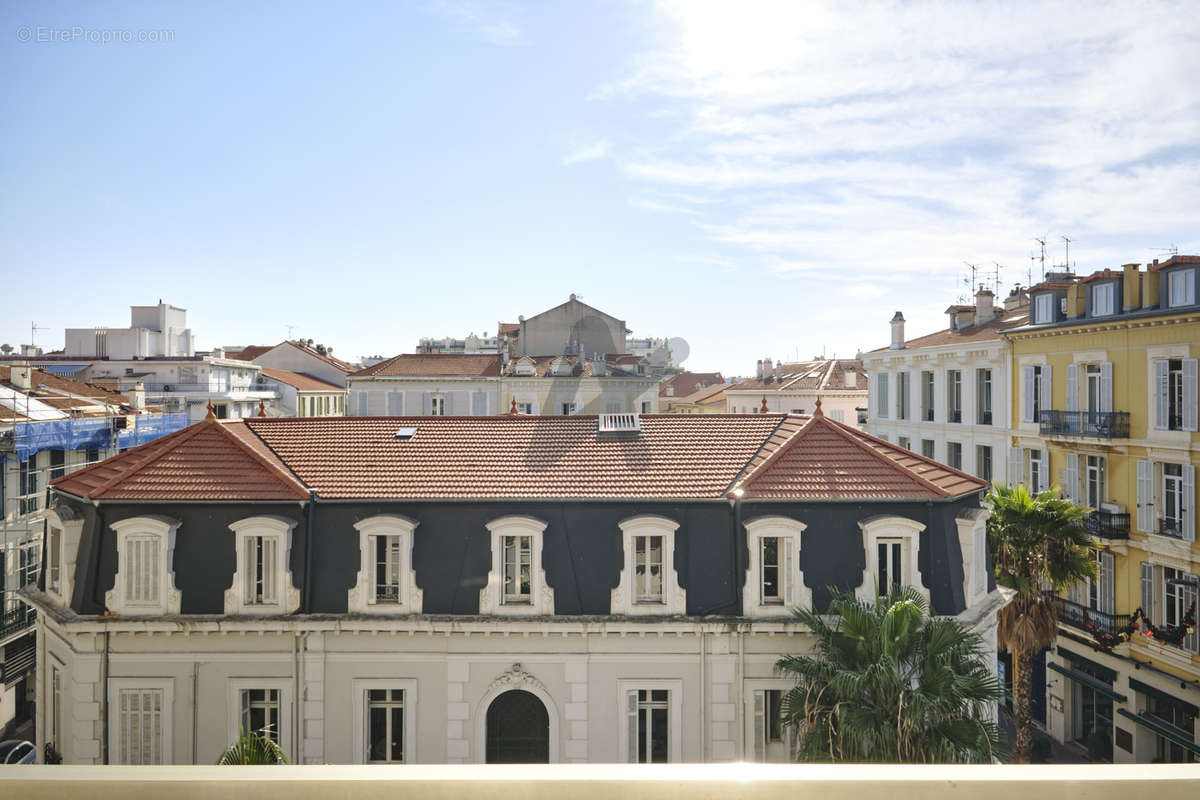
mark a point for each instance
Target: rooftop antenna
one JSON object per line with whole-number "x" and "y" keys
{"x": 1042, "y": 242}
{"x": 969, "y": 282}
{"x": 1067, "y": 239}
{"x": 1029, "y": 282}
{"x": 996, "y": 277}
{"x": 1173, "y": 250}
{"x": 290, "y": 329}
{"x": 33, "y": 329}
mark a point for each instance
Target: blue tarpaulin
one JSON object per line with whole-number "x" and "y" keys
{"x": 83, "y": 434}
{"x": 65, "y": 370}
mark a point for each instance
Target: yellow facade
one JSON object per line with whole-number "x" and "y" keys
{"x": 1094, "y": 460}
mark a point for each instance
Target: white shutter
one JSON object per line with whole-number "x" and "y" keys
{"x": 412, "y": 401}
{"x": 1161, "y": 394}
{"x": 1106, "y": 583}
{"x": 395, "y": 404}
{"x": 1046, "y": 390}
{"x": 1072, "y": 487}
{"x": 760, "y": 725}
{"x": 631, "y": 723}
{"x": 426, "y": 403}
{"x": 456, "y": 403}
{"x": 1145, "y": 496}
{"x": 362, "y": 403}
{"x": 1189, "y": 503}
{"x": 1027, "y": 390}
{"x": 1073, "y": 388}
{"x": 1148, "y": 590}
{"x": 1189, "y": 394}
{"x": 882, "y": 400}
{"x": 1191, "y": 640}
{"x": 1044, "y": 471}
{"x": 1106, "y": 387}
{"x": 1016, "y": 466}
{"x": 479, "y": 404}
{"x": 789, "y": 574}
{"x": 535, "y": 408}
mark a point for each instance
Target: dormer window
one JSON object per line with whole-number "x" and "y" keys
{"x": 516, "y": 583}
{"x": 145, "y": 581}
{"x": 1181, "y": 288}
{"x": 648, "y": 583}
{"x": 262, "y": 582}
{"x": 561, "y": 367}
{"x": 1043, "y": 307}
{"x": 386, "y": 582}
{"x": 1102, "y": 299}
{"x": 524, "y": 367}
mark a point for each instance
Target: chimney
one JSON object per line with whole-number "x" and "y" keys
{"x": 137, "y": 396}
{"x": 778, "y": 364}
{"x": 897, "y": 331}
{"x": 599, "y": 364}
{"x": 984, "y": 311}
{"x": 21, "y": 377}
{"x": 218, "y": 352}
{"x": 1131, "y": 288}
{"x": 1075, "y": 302}
{"x": 758, "y": 370}
{"x": 1019, "y": 296}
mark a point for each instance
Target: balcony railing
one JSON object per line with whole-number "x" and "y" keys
{"x": 985, "y": 418}
{"x": 1077, "y": 616}
{"x": 1169, "y": 526}
{"x": 928, "y": 415}
{"x": 1107, "y": 524}
{"x": 1092, "y": 424}
{"x": 16, "y": 620}
{"x": 954, "y": 415}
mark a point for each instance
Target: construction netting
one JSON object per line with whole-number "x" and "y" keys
{"x": 99, "y": 433}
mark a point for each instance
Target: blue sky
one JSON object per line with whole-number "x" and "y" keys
{"x": 762, "y": 179}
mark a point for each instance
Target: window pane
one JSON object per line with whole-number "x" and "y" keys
{"x": 658, "y": 737}
{"x": 377, "y": 733}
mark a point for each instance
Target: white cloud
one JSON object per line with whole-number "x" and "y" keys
{"x": 488, "y": 23}
{"x": 589, "y": 152}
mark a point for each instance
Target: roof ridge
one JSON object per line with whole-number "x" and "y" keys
{"x": 757, "y": 471}
{"x": 286, "y": 473}
{"x": 746, "y": 466}
{"x": 184, "y": 435}
{"x": 856, "y": 436}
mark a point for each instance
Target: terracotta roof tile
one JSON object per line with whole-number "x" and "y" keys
{"x": 975, "y": 333}
{"x": 823, "y": 375}
{"x": 298, "y": 380}
{"x": 435, "y": 365}
{"x": 686, "y": 383}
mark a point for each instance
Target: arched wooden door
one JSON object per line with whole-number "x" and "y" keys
{"x": 518, "y": 729}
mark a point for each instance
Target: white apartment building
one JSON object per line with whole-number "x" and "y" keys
{"x": 946, "y": 394}
{"x": 795, "y": 387}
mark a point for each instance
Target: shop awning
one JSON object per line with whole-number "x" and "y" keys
{"x": 1087, "y": 680}
{"x": 1162, "y": 729}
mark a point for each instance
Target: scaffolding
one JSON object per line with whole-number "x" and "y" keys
{"x": 98, "y": 433}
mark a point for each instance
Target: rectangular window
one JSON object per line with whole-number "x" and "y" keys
{"x": 774, "y": 721}
{"x": 647, "y": 572}
{"x": 1095, "y": 481}
{"x": 927, "y": 448}
{"x": 142, "y": 580}
{"x": 983, "y": 462}
{"x": 140, "y": 726}
{"x": 1036, "y": 393}
{"x": 902, "y": 395}
{"x": 837, "y": 415}
{"x": 518, "y": 554}
{"x": 881, "y": 394}
{"x": 54, "y": 721}
{"x": 953, "y": 395}
{"x": 954, "y": 454}
{"x": 92, "y": 455}
{"x": 889, "y": 565}
{"x": 1182, "y": 288}
{"x": 1044, "y": 306}
{"x": 653, "y": 726}
{"x": 437, "y": 405}
{"x": 260, "y": 712}
{"x": 771, "y": 559}
{"x": 1175, "y": 394}
{"x": 387, "y": 568}
{"x": 58, "y": 463}
{"x": 31, "y": 499}
{"x": 1182, "y": 719}
{"x": 1171, "y": 523}
{"x": 54, "y": 560}
{"x": 1035, "y": 471}
{"x": 983, "y": 396}
{"x": 1102, "y": 300}
{"x": 385, "y": 725}
{"x": 927, "y": 401}
{"x": 525, "y": 408}
{"x": 262, "y": 582}
{"x": 904, "y": 442}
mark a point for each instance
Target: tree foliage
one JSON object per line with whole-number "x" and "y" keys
{"x": 253, "y": 747}
{"x": 888, "y": 683}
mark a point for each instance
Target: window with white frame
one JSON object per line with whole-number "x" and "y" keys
{"x": 652, "y": 733}
{"x": 1175, "y": 394}
{"x": 1179, "y": 594}
{"x": 928, "y": 448}
{"x": 525, "y": 408}
{"x": 648, "y": 582}
{"x": 385, "y": 720}
{"x": 259, "y": 712}
{"x": 1037, "y": 385}
{"x": 774, "y": 584}
{"x": 31, "y": 498}
{"x": 516, "y": 582}
{"x": 1102, "y": 299}
{"x": 386, "y": 582}
{"x": 902, "y": 395}
{"x": 54, "y": 712}
{"x": 892, "y": 545}
{"x": 263, "y": 705}
{"x": 141, "y": 721}
{"x": 954, "y": 402}
{"x": 1038, "y": 471}
{"x": 881, "y": 395}
{"x": 1181, "y": 288}
{"x": 1096, "y": 593}
{"x": 54, "y": 543}
{"x": 262, "y": 582}
{"x": 145, "y": 581}
{"x": 983, "y": 461}
{"x": 1043, "y": 305}
{"x": 1094, "y": 481}
{"x": 769, "y": 738}
{"x": 437, "y": 404}
{"x": 927, "y": 396}
{"x": 904, "y": 442}
{"x": 954, "y": 454}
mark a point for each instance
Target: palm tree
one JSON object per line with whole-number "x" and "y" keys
{"x": 1034, "y": 541}
{"x": 890, "y": 684}
{"x": 253, "y": 747}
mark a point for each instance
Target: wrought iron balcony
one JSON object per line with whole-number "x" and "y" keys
{"x": 1107, "y": 525}
{"x": 1090, "y": 424}
{"x": 1078, "y": 616}
{"x": 1170, "y": 526}
{"x": 954, "y": 415}
{"x": 16, "y": 620}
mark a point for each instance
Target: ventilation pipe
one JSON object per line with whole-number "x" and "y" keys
{"x": 897, "y": 331}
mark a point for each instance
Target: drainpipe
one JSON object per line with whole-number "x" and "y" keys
{"x": 306, "y": 592}
{"x": 104, "y": 719}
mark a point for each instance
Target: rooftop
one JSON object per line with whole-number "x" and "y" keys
{"x": 818, "y": 375}
{"x": 435, "y": 365}
{"x": 300, "y": 381}
{"x": 67, "y": 395}
{"x": 972, "y": 333}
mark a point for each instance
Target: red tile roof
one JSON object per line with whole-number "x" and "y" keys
{"x": 975, "y": 333}
{"x": 686, "y": 383}
{"x": 298, "y": 380}
{"x": 1173, "y": 261}
{"x": 823, "y": 375}
{"x": 435, "y": 365}
{"x": 214, "y": 460}
{"x": 250, "y": 353}
{"x": 772, "y": 456}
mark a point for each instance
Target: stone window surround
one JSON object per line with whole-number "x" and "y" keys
{"x": 972, "y": 532}
{"x": 541, "y": 595}
{"x": 289, "y": 595}
{"x": 675, "y": 701}
{"x": 361, "y": 742}
{"x": 169, "y": 597}
{"x": 890, "y": 527}
{"x": 71, "y": 524}
{"x": 361, "y": 597}
{"x": 795, "y": 593}
{"x": 674, "y": 600}
{"x": 287, "y": 703}
{"x": 167, "y": 685}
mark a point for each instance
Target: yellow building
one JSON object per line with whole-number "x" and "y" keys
{"x": 1105, "y": 407}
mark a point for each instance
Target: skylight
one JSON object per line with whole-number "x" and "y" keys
{"x": 406, "y": 433}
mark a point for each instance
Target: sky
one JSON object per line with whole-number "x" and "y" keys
{"x": 765, "y": 180}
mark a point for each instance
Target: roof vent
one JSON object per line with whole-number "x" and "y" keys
{"x": 619, "y": 423}
{"x": 406, "y": 433}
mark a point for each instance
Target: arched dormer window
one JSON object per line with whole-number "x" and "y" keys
{"x": 774, "y": 584}
{"x": 145, "y": 582}
{"x": 649, "y": 584}
{"x": 892, "y": 547}
{"x": 516, "y": 583}
{"x": 262, "y": 582}
{"x": 386, "y": 581}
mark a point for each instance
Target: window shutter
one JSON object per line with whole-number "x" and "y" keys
{"x": 789, "y": 575}
{"x": 1072, "y": 487}
{"x": 883, "y": 395}
{"x": 395, "y": 404}
{"x": 1106, "y": 387}
{"x": 631, "y": 722}
{"x": 412, "y": 401}
{"x": 1027, "y": 390}
{"x": 479, "y": 404}
{"x": 1106, "y": 583}
{"x": 426, "y": 403}
{"x": 1073, "y": 388}
{"x": 362, "y": 403}
{"x": 1016, "y": 466}
{"x": 1044, "y": 472}
{"x": 1191, "y": 640}
{"x": 1189, "y": 502}
{"x": 760, "y": 725}
{"x": 534, "y": 408}
{"x": 1161, "y": 394}
{"x": 1189, "y": 394}
{"x": 1148, "y": 590}
{"x": 270, "y": 570}
{"x": 1075, "y": 592}
{"x": 1046, "y": 390}
{"x": 456, "y": 403}
{"x": 1145, "y": 496}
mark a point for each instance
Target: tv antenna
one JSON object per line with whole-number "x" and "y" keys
{"x": 1067, "y": 239}
{"x": 996, "y": 277}
{"x": 1042, "y": 242}
{"x": 1029, "y": 277}
{"x": 969, "y": 282}
{"x": 1173, "y": 250}
{"x": 33, "y": 329}
{"x": 290, "y": 329}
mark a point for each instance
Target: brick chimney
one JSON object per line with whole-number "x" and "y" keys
{"x": 897, "y": 331}
{"x": 984, "y": 310}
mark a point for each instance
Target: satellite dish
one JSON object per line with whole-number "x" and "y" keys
{"x": 679, "y": 349}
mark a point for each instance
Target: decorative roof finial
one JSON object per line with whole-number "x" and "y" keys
{"x": 513, "y": 408}
{"x": 212, "y": 412}
{"x": 262, "y": 408}
{"x": 817, "y": 412}
{"x": 763, "y": 410}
